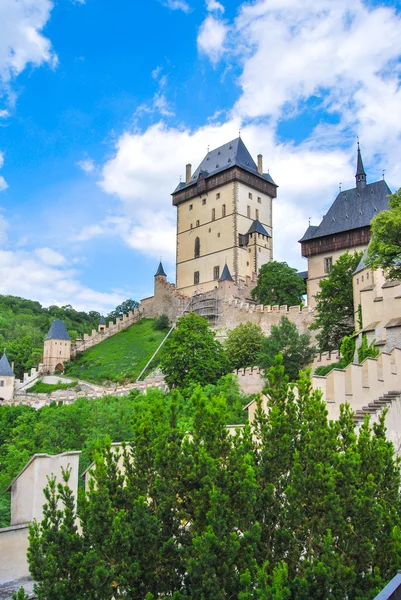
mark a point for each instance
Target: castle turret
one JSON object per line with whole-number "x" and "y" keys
{"x": 160, "y": 271}
{"x": 7, "y": 379}
{"x": 360, "y": 174}
{"x": 226, "y": 283}
{"x": 57, "y": 347}
{"x": 102, "y": 325}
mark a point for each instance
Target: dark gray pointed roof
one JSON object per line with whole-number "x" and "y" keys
{"x": 160, "y": 270}
{"x": 5, "y": 368}
{"x": 102, "y": 321}
{"x": 257, "y": 227}
{"x": 359, "y": 164}
{"x": 226, "y": 275}
{"x": 351, "y": 209}
{"x": 232, "y": 154}
{"x": 57, "y": 331}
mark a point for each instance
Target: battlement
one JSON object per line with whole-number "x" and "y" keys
{"x": 96, "y": 337}
{"x": 323, "y": 359}
{"x": 28, "y": 379}
{"x": 360, "y": 384}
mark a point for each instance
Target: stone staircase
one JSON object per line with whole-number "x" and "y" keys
{"x": 375, "y": 407}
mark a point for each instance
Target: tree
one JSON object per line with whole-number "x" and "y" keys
{"x": 384, "y": 250}
{"x": 123, "y": 309}
{"x": 293, "y": 507}
{"x": 335, "y": 303}
{"x": 162, "y": 323}
{"x": 279, "y": 284}
{"x": 295, "y": 348}
{"x": 192, "y": 354}
{"x": 243, "y": 345}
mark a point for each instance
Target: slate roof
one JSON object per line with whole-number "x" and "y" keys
{"x": 57, "y": 331}
{"x": 361, "y": 265}
{"x": 351, "y": 209}
{"x": 226, "y": 275}
{"x": 303, "y": 274}
{"x": 257, "y": 227}
{"x": 232, "y": 154}
{"x": 160, "y": 270}
{"x": 5, "y": 368}
{"x": 102, "y": 321}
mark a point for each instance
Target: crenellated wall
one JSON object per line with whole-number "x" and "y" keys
{"x": 28, "y": 379}
{"x": 96, "y": 337}
{"x": 324, "y": 359}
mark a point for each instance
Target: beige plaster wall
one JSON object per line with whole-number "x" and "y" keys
{"x": 6, "y": 388}
{"x": 250, "y": 380}
{"x": 55, "y": 352}
{"x": 13, "y": 549}
{"x": 316, "y": 270}
{"x": 27, "y": 497}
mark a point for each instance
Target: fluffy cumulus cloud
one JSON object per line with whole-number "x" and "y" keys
{"x": 39, "y": 275}
{"x": 21, "y": 37}
{"x": 214, "y": 5}
{"x": 211, "y": 37}
{"x": 291, "y": 52}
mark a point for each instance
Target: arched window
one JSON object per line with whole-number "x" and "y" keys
{"x": 197, "y": 247}
{"x": 223, "y": 210}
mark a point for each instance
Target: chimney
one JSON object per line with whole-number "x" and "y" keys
{"x": 188, "y": 173}
{"x": 260, "y": 164}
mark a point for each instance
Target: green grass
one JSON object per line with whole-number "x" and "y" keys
{"x": 46, "y": 388}
{"x": 119, "y": 358}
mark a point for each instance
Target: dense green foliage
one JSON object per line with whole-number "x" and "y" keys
{"x": 243, "y": 345}
{"x": 367, "y": 350}
{"x": 122, "y": 309}
{"x": 81, "y": 425}
{"x": 24, "y": 324}
{"x": 192, "y": 354}
{"x": 385, "y": 246}
{"x": 279, "y": 284}
{"x": 295, "y": 348}
{"x": 323, "y": 370}
{"x": 296, "y": 508}
{"x": 335, "y": 303}
{"x": 162, "y": 323}
{"x": 120, "y": 357}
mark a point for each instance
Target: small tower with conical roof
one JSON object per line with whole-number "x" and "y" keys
{"x": 226, "y": 283}
{"x": 102, "y": 325}
{"x": 57, "y": 347}
{"x": 7, "y": 379}
{"x": 360, "y": 175}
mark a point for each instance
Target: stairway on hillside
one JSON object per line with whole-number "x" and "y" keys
{"x": 376, "y": 406}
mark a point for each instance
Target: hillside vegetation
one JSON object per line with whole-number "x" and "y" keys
{"x": 24, "y": 324}
{"x": 120, "y": 357}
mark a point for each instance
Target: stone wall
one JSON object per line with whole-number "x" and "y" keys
{"x": 323, "y": 359}
{"x": 166, "y": 301}
{"x": 250, "y": 380}
{"x": 28, "y": 379}
{"x": 233, "y": 312}
{"x": 96, "y": 337}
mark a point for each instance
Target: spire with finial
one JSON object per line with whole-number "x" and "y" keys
{"x": 160, "y": 271}
{"x": 360, "y": 175}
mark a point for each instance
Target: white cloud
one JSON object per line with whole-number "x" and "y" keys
{"x": 24, "y": 274}
{"x": 3, "y": 183}
{"x": 87, "y": 165}
{"x": 177, "y": 5}
{"x": 211, "y": 37}
{"x": 50, "y": 257}
{"x": 21, "y": 38}
{"x": 4, "y": 113}
{"x": 3, "y": 230}
{"x": 213, "y": 5}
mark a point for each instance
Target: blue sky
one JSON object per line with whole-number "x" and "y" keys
{"x": 102, "y": 104}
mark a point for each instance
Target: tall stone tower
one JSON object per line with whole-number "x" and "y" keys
{"x": 57, "y": 347}
{"x": 224, "y": 216}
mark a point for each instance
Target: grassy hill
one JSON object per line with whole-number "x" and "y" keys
{"x": 119, "y": 358}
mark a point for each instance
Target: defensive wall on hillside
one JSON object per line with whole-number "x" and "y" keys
{"x": 107, "y": 331}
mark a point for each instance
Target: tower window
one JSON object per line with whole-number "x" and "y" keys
{"x": 2, "y": 383}
{"x": 191, "y": 226}
{"x": 197, "y": 248}
{"x": 216, "y": 273}
{"x": 257, "y": 214}
{"x": 197, "y": 223}
{"x": 259, "y": 200}
{"x": 250, "y": 196}
{"x": 248, "y": 211}
{"x": 196, "y": 277}
{"x": 218, "y": 235}
{"x": 328, "y": 264}
{"x": 213, "y": 214}
{"x": 217, "y": 195}
{"x": 223, "y": 210}
{"x": 204, "y": 201}
{"x": 191, "y": 206}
